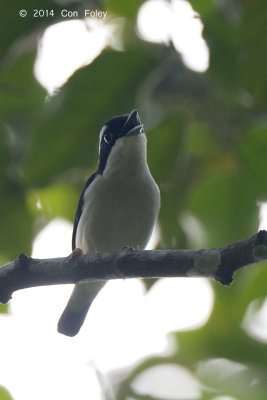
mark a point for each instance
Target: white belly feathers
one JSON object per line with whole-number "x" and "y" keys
{"x": 123, "y": 215}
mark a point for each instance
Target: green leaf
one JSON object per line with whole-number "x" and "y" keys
{"x": 54, "y": 201}
{"x": 225, "y": 204}
{"x": 3, "y": 310}
{"x": 128, "y": 9}
{"x": 4, "y": 394}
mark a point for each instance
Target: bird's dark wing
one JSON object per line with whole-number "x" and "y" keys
{"x": 80, "y": 210}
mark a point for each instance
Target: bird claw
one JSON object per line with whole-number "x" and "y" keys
{"x": 76, "y": 252}
{"x": 129, "y": 249}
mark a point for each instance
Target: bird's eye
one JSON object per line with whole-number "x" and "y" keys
{"x": 108, "y": 137}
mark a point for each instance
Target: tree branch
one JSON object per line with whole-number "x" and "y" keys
{"x": 219, "y": 263}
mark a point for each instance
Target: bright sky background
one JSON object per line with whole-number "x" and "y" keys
{"x": 73, "y": 44}
{"x": 161, "y": 21}
{"x": 70, "y": 45}
{"x": 125, "y": 324}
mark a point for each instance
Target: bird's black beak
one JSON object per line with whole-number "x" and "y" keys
{"x": 133, "y": 125}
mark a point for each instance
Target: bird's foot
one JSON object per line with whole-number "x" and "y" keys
{"x": 126, "y": 250}
{"x": 130, "y": 249}
{"x": 76, "y": 252}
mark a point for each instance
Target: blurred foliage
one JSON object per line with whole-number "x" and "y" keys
{"x": 207, "y": 146}
{"x": 4, "y": 394}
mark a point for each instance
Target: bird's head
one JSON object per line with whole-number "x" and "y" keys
{"x": 122, "y": 142}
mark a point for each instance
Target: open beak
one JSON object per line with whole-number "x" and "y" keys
{"x": 132, "y": 125}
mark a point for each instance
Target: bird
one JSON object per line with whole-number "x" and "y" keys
{"x": 118, "y": 207}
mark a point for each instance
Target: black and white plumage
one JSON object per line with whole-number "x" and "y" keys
{"x": 118, "y": 207}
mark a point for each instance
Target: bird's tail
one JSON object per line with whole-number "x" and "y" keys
{"x": 77, "y": 308}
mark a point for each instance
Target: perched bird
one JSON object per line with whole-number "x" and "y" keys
{"x": 118, "y": 207}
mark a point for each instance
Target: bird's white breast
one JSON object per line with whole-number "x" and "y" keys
{"x": 121, "y": 206}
